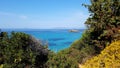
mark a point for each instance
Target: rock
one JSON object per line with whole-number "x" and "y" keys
{"x": 73, "y": 30}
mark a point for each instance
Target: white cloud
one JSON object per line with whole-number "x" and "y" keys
{"x": 6, "y": 14}
{"x": 73, "y": 19}
{"x": 13, "y": 15}
{"x": 76, "y": 17}
{"x": 81, "y": 15}
{"x": 23, "y": 17}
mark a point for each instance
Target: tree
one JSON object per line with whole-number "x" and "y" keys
{"x": 104, "y": 21}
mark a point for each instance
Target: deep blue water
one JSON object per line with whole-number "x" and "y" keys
{"x": 57, "y": 39}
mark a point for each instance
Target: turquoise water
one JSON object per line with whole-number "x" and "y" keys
{"x": 57, "y": 39}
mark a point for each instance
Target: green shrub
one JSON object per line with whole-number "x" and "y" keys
{"x": 19, "y": 50}
{"x": 62, "y": 60}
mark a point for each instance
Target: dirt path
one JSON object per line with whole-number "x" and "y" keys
{"x": 80, "y": 66}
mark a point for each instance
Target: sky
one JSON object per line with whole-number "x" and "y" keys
{"x": 43, "y": 14}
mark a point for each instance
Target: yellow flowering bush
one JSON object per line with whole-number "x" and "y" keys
{"x": 109, "y": 58}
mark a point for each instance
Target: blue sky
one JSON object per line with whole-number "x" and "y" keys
{"x": 43, "y": 14}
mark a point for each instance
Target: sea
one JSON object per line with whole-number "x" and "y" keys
{"x": 56, "y": 39}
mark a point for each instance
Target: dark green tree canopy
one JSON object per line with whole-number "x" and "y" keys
{"x": 104, "y": 21}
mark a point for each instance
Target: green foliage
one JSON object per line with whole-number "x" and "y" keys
{"x": 19, "y": 50}
{"x": 83, "y": 41}
{"x": 103, "y": 27}
{"x": 62, "y": 60}
{"x": 109, "y": 58}
{"x": 15, "y": 50}
{"x": 103, "y": 23}
{"x": 84, "y": 46}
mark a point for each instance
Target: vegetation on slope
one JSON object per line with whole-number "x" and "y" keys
{"x": 103, "y": 27}
{"x": 109, "y": 58}
{"x": 20, "y": 50}
{"x": 62, "y": 60}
